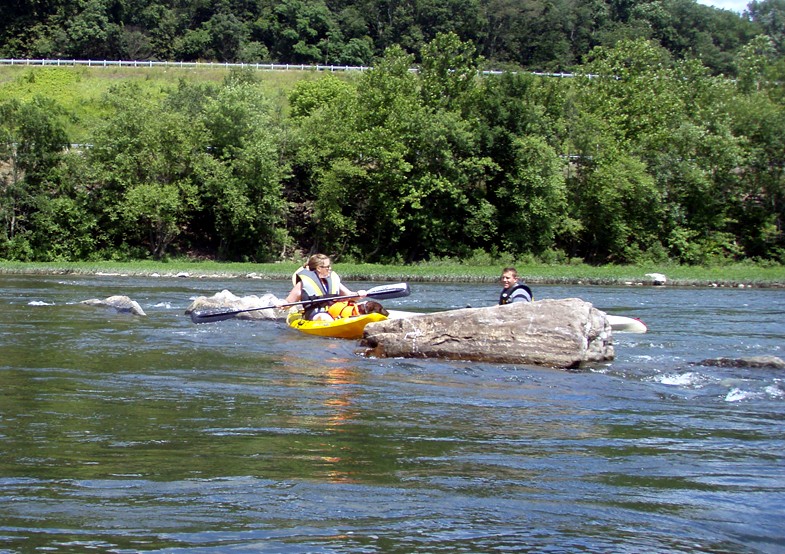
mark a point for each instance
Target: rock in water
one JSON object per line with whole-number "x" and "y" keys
{"x": 773, "y": 362}
{"x": 554, "y": 333}
{"x": 229, "y": 302}
{"x": 122, "y": 304}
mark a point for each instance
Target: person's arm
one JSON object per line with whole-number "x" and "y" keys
{"x": 343, "y": 290}
{"x": 346, "y": 292}
{"x": 295, "y": 295}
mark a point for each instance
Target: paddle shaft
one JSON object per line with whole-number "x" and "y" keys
{"x": 384, "y": 291}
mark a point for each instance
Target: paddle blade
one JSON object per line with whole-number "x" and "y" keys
{"x": 206, "y": 316}
{"x": 385, "y": 292}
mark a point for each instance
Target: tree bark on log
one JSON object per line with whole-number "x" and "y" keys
{"x": 565, "y": 333}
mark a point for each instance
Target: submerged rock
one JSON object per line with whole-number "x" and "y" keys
{"x": 564, "y": 333}
{"x": 226, "y": 301}
{"x": 753, "y": 361}
{"x": 122, "y": 304}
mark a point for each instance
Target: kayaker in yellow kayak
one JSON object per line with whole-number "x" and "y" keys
{"x": 316, "y": 279}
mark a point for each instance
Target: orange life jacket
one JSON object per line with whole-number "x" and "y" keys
{"x": 343, "y": 308}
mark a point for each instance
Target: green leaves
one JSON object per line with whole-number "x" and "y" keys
{"x": 532, "y": 196}
{"x": 641, "y": 158}
{"x": 449, "y": 71}
{"x": 159, "y": 207}
{"x": 308, "y": 96}
{"x": 204, "y": 162}
{"x": 32, "y": 140}
{"x": 395, "y": 169}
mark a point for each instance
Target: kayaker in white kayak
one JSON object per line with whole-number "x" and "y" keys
{"x": 514, "y": 290}
{"x": 314, "y": 280}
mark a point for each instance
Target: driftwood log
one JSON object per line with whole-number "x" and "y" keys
{"x": 564, "y": 333}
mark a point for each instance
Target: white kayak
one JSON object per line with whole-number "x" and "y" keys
{"x": 622, "y": 324}
{"x": 398, "y": 314}
{"x": 619, "y": 323}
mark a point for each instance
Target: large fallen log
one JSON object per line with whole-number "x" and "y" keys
{"x": 565, "y": 333}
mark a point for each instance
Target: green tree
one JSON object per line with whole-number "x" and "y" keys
{"x": 627, "y": 107}
{"x": 301, "y": 32}
{"x": 244, "y": 200}
{"x": 149, "y": 164}
{"x": 90, "y": 33}
{"x": 354, "y": 155}
{"x": 770, "y": 15}
{"x": 689, "y": 30}
{"x": 519, "y": 127}
{"x": 619, "y": 209}
{"x": 392, "y": 177}
{"x": 632, "y": 87}
{"x": 753, "y": 62}
{"x": 63, "y": 225}
{"x": 449, "y": 71}
{"x": 759, "y": 209}
{"x": 532, "y": 197}
{"x": 32, "y": 141}
{"x": 307, "y": 96}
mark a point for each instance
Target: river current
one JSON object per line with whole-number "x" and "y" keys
{"x": 122, "y": 433}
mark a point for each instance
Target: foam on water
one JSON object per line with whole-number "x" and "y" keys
{"x": 738, "y": 395}
{"x": 689, "y": 379}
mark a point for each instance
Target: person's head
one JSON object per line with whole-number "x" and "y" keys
{"x": 509, "y": 277}
{"x": 321, "y": 264}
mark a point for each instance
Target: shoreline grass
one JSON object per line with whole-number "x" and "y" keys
{"x": 738, "y": 275}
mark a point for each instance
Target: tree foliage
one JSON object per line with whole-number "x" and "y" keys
{"x": 545, "y": 35}
{"x": 32, "y": 140}
{"x": 644, "y": 156}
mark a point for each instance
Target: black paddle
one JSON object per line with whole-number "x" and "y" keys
{"x": 381, "y": 292}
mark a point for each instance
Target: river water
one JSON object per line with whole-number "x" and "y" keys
{"x": 121, "y": 433}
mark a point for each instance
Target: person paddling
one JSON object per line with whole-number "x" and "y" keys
{"x": 315, "y": 280}
{"x": 514, "y": 290}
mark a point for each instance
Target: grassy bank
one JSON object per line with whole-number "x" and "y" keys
{"x": 79, "y": 90}
{"x": 731, "y": 276}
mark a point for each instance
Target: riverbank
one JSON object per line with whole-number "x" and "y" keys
{"x": 740, "y": 275}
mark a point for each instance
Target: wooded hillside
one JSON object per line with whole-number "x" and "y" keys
{"x": 639, "y": 157}
{"x": 545, "y": 35}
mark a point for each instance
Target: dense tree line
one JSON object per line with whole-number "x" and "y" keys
{"x": 640, "y": 157}
{"x": 546, "y": 35}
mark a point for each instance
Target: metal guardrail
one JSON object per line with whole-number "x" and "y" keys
{"x": 150, "y": 63}
{"x": 257, "y": 66}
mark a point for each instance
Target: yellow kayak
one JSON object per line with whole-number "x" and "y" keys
{"x": 344, "y": 328}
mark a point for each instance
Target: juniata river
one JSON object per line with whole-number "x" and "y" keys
{"x": 121, "y": 433}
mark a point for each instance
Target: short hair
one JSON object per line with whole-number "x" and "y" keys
{"x": 510, "y": 270}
